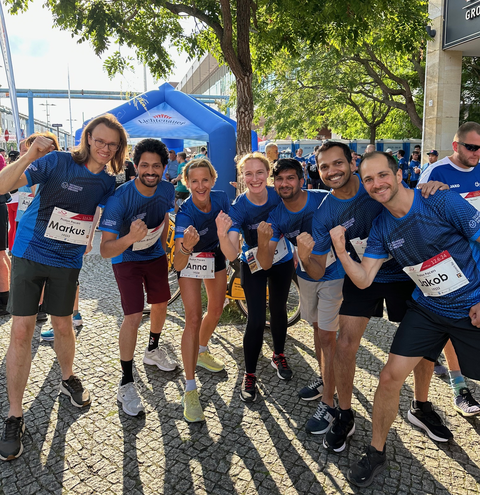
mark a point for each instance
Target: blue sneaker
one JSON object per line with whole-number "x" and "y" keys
{"x": 322, "y": 420}
{"x": 47, "y": 335}
{"x": 77, "y": 320}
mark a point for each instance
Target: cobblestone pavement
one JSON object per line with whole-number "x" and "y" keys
{"x": 240, "y": 449}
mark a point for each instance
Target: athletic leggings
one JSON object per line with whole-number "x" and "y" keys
{"x": 255, "y": 288}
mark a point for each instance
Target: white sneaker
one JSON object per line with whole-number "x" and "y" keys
{"x": 131, "y": 401}
{"x": 160, "y": 358}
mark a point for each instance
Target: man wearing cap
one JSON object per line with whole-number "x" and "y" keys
{"x": 432, "y": 158}
{"x": 461, "y": 173}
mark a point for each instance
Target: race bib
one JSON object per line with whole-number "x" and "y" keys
{"x": 280, "y": 253}
{"x": 437, "y": 276}
{"x": 199, "y": 265}
{"x": 150, "y": 239}
{"x": 69, "y": 227}
{"x": 360, "y": 245}
{"x": 473, "y": 198}
{"x": 24, "y": 200}
{"x": 330, "y": 259}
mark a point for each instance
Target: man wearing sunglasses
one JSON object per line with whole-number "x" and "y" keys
{"x": 461, "y": 173}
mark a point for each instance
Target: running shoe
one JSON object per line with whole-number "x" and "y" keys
{"x": 47, "y": 335}
{"x": 465, "y": 404}
{"x": 343, "y": 426}
{"x": 159, "y": 357}
{"x": 77, "y": 320}
{"x": 209, "y": 362}
{"x": 421, "y": 414}
{"x": 279, "y": 362}
{"x": 73, "y": 387}
{"x": 322, "y": 420}
{"x": 439, "y": 369}
{"x": 248, "y": 392}
{"x": 313, "y": 390}
{"x": 130, "y": 399}
{"x": 372, "y": 463}
{"x": 11, "y": 445}
{"x": 192, "y": 409}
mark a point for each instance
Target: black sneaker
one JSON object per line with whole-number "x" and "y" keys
{"x": 372, "y": 462}
{"x": 279, "y": 362}
{"x": 313, "y": 390}
{"x": 421, "y": 414}
{"x": 73, "y": 387}
{"x": 465, "y": 404}
{"x": 248, "y": 392}
{"x": 343, "y": 426}
{"x": 11, "y": 445}
{"x": 41, "y": 315}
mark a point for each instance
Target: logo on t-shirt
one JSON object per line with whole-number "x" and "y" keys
{"x": 71, "y": 187}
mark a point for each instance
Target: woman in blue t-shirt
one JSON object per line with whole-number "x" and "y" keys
{"x": 198, "y": 258}
{"x": 248, "y": 210}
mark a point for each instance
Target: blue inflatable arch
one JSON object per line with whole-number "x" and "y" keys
{"x": 173, "y": 116}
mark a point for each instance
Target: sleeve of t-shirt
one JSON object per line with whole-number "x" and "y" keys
{"x": 462, "y": 215}
{"x": 272, "y": 219}
{"x": 320, "y": 234}
{"x": 39, "y": 171}
{"x": 107, "y": 195}
{"x": 225, "y": 203}
{"x": 182, "y": 221}
{"x": 375, "y": 245}
{"x": 112, "y": 217}
{"x": 236, "y": 214}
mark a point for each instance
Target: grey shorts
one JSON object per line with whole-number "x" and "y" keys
{"x": 27, "y": 281}
{"x": 320, "y": 302}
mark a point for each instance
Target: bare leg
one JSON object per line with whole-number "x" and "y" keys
{"x": 5, "y": 269}
{"x": 451, "y": 357}
{"x": 318, "y": 347}
{"x": 127, "y": 339}
{"x": 216, "y": 289}
{"x": 328, "y": 341}
{"x": 64, "y": 343}
{"x": 385, "y": 405}
{"x": 19, "y": 360}
{"x": 190, "y": 290}
{"x": 158, "y": 315}
{"x": 422, "y": 375}
{"x": 349, "y": 337}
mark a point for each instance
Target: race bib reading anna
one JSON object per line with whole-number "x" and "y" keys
{"x": 200, "y": 265}
{"x": 69, "y": 227}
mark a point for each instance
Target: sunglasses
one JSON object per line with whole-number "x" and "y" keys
{"x": 469, "y": 147}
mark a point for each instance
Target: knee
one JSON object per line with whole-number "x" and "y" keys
{"x": 347, "y": 344}
{"x": 390, "y": 380}
{"x": 215, "y": 310}
{"x": 193, "y": 322}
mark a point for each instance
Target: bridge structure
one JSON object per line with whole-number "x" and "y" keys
{"x": 88, "y": 95}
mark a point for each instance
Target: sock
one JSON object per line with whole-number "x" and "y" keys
{"x": 127, "y": 371}
{"x": 75, "y": 313}
{"x": 190, "y": 385}
{"x": 202, "y": 348}
{"x": 457, "y": 382}
{"x": 153, "y": 341}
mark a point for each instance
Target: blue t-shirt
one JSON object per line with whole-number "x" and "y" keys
{"x": 460, "y": 180}
{"x": 128, "y": 205}
{"x": 403, "y": 166}
{"x": 442, "y": 222}
{"x": 67, "y": 185}
{"x": 414, "y": 164}
{"x": 246, "y": 216}
{"x": 356, "y": 215}
{"x": 189, "y": 214}
{"x": 291, "y": 224}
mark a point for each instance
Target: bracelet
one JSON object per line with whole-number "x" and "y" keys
{"x": 185, "y": 251}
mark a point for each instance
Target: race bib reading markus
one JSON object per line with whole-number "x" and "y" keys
{"x": 437, "y": 276}
{"x": 69, "y": 227}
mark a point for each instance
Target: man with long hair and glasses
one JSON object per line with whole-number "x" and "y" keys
{"x": 461, "y": 173}
{"x": 51, "y": 240}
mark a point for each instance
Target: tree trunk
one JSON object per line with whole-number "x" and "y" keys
{"x": 373, "y": 133}
{"x": 244, "y": 113}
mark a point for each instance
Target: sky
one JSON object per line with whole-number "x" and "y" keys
{"x": 42, "y": 56}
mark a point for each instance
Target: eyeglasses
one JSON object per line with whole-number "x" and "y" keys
{"x": 469, "y": 147}
{"x": 100, "y": 144}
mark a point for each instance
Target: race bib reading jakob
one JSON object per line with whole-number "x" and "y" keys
{"x": 69, "y": 227}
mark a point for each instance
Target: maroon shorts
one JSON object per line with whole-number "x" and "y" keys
{"x": 131, "y": 276}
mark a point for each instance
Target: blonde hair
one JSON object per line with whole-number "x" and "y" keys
{"x": 28, "y": 142}
{"x": 81, "y": 153}
{"x": 198, "y": 163}
{"x": 252, "y": 156}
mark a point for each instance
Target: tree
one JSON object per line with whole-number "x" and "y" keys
{"x": 240, "y": 33}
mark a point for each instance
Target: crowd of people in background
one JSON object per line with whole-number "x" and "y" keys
{"x": 331, "y": 219}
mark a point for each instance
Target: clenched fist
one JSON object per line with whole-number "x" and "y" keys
{"x": 338, "y": 239}
{"x": 223, "y": 222}
{"x": 138, "y": 230}
{"x": 190, "y": 238}
{"x": 305, "y": 245}
{"x": 264, "y": 232}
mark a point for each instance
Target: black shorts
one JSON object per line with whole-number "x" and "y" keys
{"x": 219, "y": 261}
{"x": 369, "y": 302}
{"x": 424, "y": 333}
{"x": 28, "y": 279}
{"x": 3, "y": 227}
